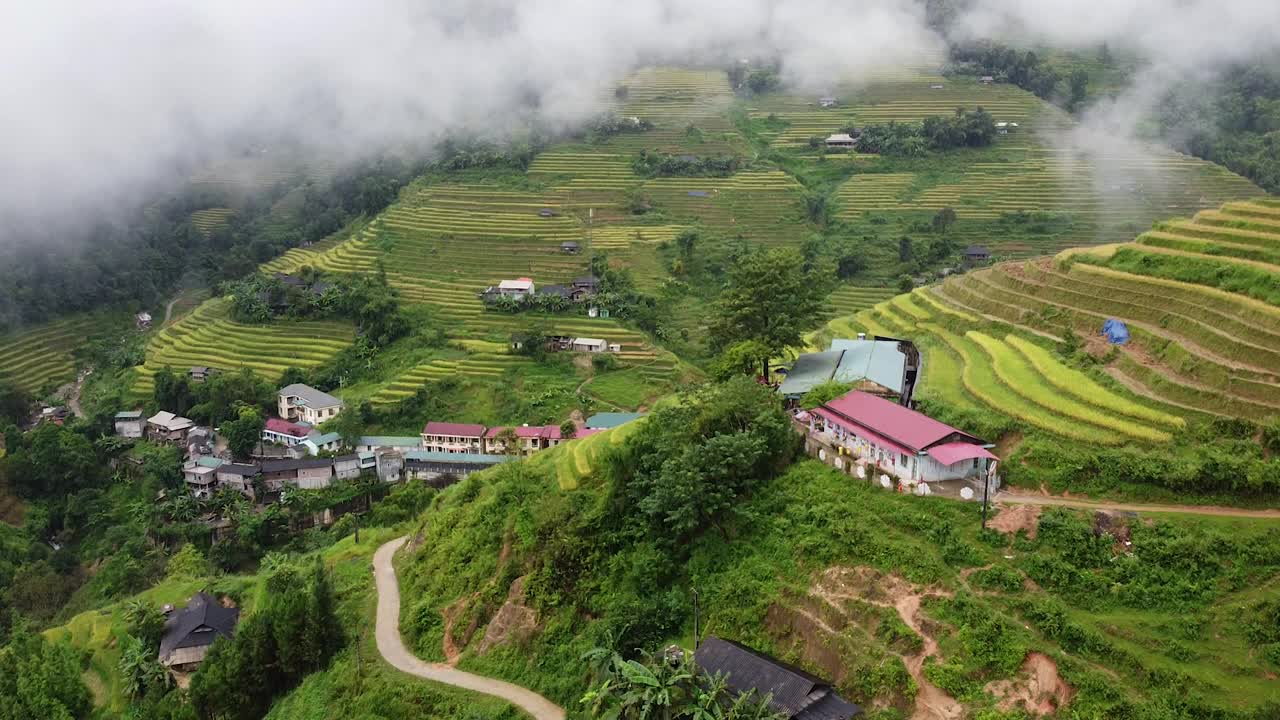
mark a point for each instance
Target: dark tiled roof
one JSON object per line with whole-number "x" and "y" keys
{"x": 238, "y": 469}
{"x": 791, "y": 691}
{"x": 198, "y": 624}
{"x": 272, "y": 466}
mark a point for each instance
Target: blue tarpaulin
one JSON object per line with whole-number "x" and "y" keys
{"x": 1116, "y": 332}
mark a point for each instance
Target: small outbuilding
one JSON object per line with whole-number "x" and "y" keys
{"x": 986, "y": 79}
{"x": 189, "y": 632}
{"x": 841, "y": 140}
{"x": 976, "y": 254}
{"x": 792, "y": 693}
{"x": 569, "y": 247}
{"x": 591, "y": 345}
{"x": 130, "y": 424}
{"x": 827, "y": 101}
{"x": 546, "y": 213}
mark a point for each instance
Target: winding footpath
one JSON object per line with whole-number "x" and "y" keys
{"x": 391, "y": 647}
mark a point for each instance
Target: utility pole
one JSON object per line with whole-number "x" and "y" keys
{"x": 986, "y": 487}
{"x": 695, "y": 619}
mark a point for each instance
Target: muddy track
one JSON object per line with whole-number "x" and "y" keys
{"x": 1008, "y": 498}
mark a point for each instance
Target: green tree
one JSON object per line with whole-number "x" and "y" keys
{"x": 140, "y": 668}
{"x": 172, "y": 391}
{"x": 510, "y": 441}
{"x": 658, "y": 687}
{"x": 906, "y": 284}
{"x": 769, "y": 299}
{"x": 187, "y": 564}
{"x": 944, "y": 219}
{"x": 145, "y": 622}
{"x": 244, "y": 433}
{"x": 824, "y": 393}
{"x": 568, "y": 429}
{"x": 1079, "y": 88}
{"x": 39, "y": 679}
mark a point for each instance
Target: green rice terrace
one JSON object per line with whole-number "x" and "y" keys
{"x": 42, "y": 357}
{"x": 1204, "y": 339}
{"x": 208, "y": 337}
{"x": 447, "y": 238}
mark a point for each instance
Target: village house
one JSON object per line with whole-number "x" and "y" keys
{"x": 201, "y": 476}
{"x": 200, "y": 373}
{"x": 532, "y": 438}
{"x": 304, "y": 473}
{"x": 143, "y": 320}
{"x": 283, "y": 432}
{"x": 238, "y": 477}
{"x": 976, "y": 255}
{"x": 317, "y": 443}
{"x": 585, "y": 287}
{"x": 166, "y": 427}
{"x": 130, "y": 424}
{"x": 860, "y": 431}
{"x": 189, "y": 632}
{"x": 883, "y": 367}
{"x": 346, "y": 467}
{"x": 520, "y": 288}
{"x": 373, "y": 443}
{"x": 453, "y": 438}
{"x": 792, "y": 693}
{"x": 589, "y": 345}
{"x": 390, "y": 464}
{"x": 841, "y": 141}
{"x": 368, "y": 461}
{"x": 986, "y": 79}
{"x": 299, "y": 402}
{"x": 569, "y": 247}
{"x": 442, "y": 468}
{"x": 1004, "y": 128}
{"x": 827, "y": 101}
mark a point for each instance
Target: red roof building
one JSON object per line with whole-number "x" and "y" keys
{"x": 897, "y": 440}
{"x": 284, "y": 432}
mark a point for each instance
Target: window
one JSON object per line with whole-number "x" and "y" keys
{"x": 902, "y": 460}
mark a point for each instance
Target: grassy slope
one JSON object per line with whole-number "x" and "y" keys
{"x": 1134, "y": 635}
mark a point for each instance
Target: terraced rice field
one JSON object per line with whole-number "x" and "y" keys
{"x": 210, "y": 219}
{"x": 482, "y": 365}
{"x": 970, "y": 361}
{"x": 42, "y": 356}
{"x": 574, "y": 460}
{"x": 762, "y": 206}
{"x": 675, "y": 100}
{"x": 1193, "y": 347}
{"x": 906, "y": 98}
{"x": 208, "y": 337}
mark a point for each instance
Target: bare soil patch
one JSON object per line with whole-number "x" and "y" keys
{"x": 1012, "y": 518}
{"x": 514, "y": 621}
{"x": 1038, "y": 690}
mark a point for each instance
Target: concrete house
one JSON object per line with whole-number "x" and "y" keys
{"x": 189, "y": 632}
{"x": 519, "y": 288}
{"x": 304, "y": 403}
{"x": 201, "y": 476}
{"x": 164, "y": 426}
{"x": 238, "y": 477}
{"x": 317, "y": 443}
{"x": 130, "y": 424}
{"x": 861, "y": 431}
{"x": 283, "y": 432}
{"x": 531, "y": 438}
{"x": 346, "y": 467}
{"x": 569, "y": 247}
{"x": 306, "y": 473}
{"x": 390, "y": 465}
{"x": 453, "y": 438}
{"x": 589, "y": 345}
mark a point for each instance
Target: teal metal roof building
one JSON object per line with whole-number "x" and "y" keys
{"x": 880, "y": 362}
{"x": 606, "y": 420}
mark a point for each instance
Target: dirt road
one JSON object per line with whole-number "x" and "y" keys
{"x": 1008, "y": 498}
{"x": 392, "y": 648}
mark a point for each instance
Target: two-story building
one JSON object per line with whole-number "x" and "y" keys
{"x": 238, "y": 477}
{"x": 303, "y": 403}
{"x": 453, "y": 437}
{"x": 860, "y": 430}
{"x": 304, "y": 473}
{"x": 130, "y": 424}
{"x": 201, "y": 476}
{"x": 164, "y": 426}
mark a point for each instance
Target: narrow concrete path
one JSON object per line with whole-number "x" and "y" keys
{"x": 391, "y": 647}
{"x": 1009, "y": 498}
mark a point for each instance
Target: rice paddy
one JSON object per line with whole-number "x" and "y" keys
{"x": 210, "y": 219}
{"x": 43, "y": 357}
{"x": 208, "y": 337}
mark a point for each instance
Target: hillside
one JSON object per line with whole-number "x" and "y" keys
{"x": 900, "y": 600}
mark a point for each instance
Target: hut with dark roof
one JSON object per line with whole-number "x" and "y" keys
{"x": 189, "y": 632}
{"x": 792, "y": 692}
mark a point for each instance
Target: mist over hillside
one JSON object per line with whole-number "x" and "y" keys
{"x": 117, "y": 100}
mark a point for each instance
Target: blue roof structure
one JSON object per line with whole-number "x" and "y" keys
{"x": 390, "y": 441}
{"x": 1117, "y": 333}
{"x": 324, "y": 439}
{"x": 607, "y": 420}
{"x": 848, "y": 361}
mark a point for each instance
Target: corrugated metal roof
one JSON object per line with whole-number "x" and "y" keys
{"x": 608, "y": 420}
{"x": 809, "y": 371}
{"x": 907, "y": 427}
{"x": 879, "y": 361}
{"x": 460, "y": 458}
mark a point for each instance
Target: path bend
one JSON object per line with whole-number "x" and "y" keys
{"x": 391, "y": 647}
